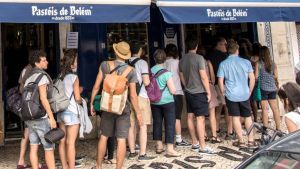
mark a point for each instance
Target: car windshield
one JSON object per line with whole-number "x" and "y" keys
{"x": 275, "y": 160}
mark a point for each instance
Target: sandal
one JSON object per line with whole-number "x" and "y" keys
{"x": 110, "y": 161}
{"x": 252, "y": 144}
{"x": 159, "y": 151}
{"x": 172, "y": 155}
{"x": 215, "y": 139}
{"x": 239, "y": 144}
{"x": 206, "y": 138}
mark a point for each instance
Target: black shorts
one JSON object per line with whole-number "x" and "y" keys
{"x": 197, "y": 104}
{"x": 266, "y": 95}
{"x": 242, "y": 109}
{"x": 178, "y": 99}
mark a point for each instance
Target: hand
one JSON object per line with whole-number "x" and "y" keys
{"x": 93, "y": 113}
{"x": 208, "y": 97}
{"x": 52, "y": 123}
{"x": 140, "y": 119}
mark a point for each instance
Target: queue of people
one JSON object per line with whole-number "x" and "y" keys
{"x": 215, "y": 82}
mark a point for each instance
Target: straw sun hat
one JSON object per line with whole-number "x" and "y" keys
{"x": 122, "y": 49}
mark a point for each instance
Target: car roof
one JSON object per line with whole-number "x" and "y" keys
{"x": 290, "y": 143}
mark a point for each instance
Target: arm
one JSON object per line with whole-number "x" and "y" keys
{"x": 212, "y": 73}
{"x": 134, "y": 102}
{"x": 182, "y": 79}
{"x": 256, "y": 70}
{"x": 46, "y": 105}
{"x": 205, "y": 82}
{"x": 221, "y": 85}
{"x": 76, "y": 88}
{"x": 171, "y": 86}
{"x": 146, "y": 79}
{"x": 276, "y": 75}
{"x": 95, "y": 90}
{"x": 251, "y": 82}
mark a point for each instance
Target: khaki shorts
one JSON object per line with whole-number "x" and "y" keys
{"x": 220, "y": 97}
{"x": 144, "y": 105}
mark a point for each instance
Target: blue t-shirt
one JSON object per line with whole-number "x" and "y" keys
{"x": 235, "y": 72}
{"x": 167, "y": 96}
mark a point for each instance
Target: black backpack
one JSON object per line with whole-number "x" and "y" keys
{"x": 138, "y": 85}
{"x": 31, "y": 105}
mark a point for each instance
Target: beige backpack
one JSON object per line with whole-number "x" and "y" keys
{"x": 115, "y": 89}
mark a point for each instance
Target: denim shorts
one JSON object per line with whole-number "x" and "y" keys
{"x": 37, "y": 129}
{"x": 68, "y": 118}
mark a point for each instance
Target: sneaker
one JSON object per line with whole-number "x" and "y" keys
{"x": 79, "y": 159}
{"x": 145, "y": 157}
{"x": 78, "y": 165}
{"x": 195, "y": 147}
{"x": 207, "y": 150}
{"x": 182, "y": 144}
{"x": 132, "y": 155}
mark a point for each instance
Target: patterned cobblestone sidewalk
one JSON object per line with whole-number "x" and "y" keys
{"x": 228, "y": 156}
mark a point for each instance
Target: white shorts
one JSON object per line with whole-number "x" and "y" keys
{"x": 294, "y": 117}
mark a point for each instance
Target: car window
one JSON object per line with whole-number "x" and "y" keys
{"x": 275, "y": 160}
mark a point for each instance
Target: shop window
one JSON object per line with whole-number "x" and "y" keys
{"x": 126, "y": 32}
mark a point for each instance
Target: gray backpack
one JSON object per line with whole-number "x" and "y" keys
{"x": 57, "y": 97}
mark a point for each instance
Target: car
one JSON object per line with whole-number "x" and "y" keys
{"x": 284, "y": 153}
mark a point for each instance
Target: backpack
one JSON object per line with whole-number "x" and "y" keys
{"x": 138, "y": 85}
{"x": 14, "y": 100}
{"x": 31, "y": 106}
{"x": 13, "y": 95}
{"x": 115, "y": 89}
{"x": 153, "y": 90}
{"x": 57, "y": 97}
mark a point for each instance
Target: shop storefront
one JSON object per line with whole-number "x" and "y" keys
{"x": 44, "y": 24}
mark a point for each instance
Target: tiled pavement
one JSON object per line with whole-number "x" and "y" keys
{"x": 227, "y": 158}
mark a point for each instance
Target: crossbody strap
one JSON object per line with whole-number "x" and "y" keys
{"x": 157, "y": 74}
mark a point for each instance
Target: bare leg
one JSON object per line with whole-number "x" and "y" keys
{"x": 265, "y": 117}
{"x": 62, "y": 147}
{"x": 50, "y": 160}
{"x": 276, "y": 113}
{"x": 178, "y": 127}
{"x": 131, "y": 137}
{"x": 212, "y": 120}
{"x": 23, "y": 147}
{"x": 143, "y": 139}
{"x": 218, "y": 116}
{"x": 34, "y": 159}
{"x": 228, "y": 120}
{"x": 71, "y": 141}
{"x": 101, "y": 150}
{"x": 254, "y": 109}
{"x": 201, "y": 130}
{"x": 238, "y": 127}
{"x": 191, "y": 126}
{"x": 121, "y": 151}
{"x": 291, "y": 126}
{"x": 248, "y": 123}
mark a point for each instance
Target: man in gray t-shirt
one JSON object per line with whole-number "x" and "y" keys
{"x": 197, "y": 93}
{"x": 189, "y": 65}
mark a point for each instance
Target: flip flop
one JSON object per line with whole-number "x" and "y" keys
{"x": 172, "y": 155}
{"x": 159, "y": 151}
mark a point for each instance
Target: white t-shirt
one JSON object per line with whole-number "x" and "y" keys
{"x": 141, "y": 68}
{"x": 172, "y": 65}
{"x": 44, "y": 80}
{"x": 69, "y": 81}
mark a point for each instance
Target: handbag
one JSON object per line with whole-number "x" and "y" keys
{"x": 54, "y": 135}
{"x": 257, "y": 91}
{"x": 97, "y": 103}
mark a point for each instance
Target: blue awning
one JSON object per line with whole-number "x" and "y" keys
{"x": 228, "y": 11}
{"x": 75, "y": 11}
